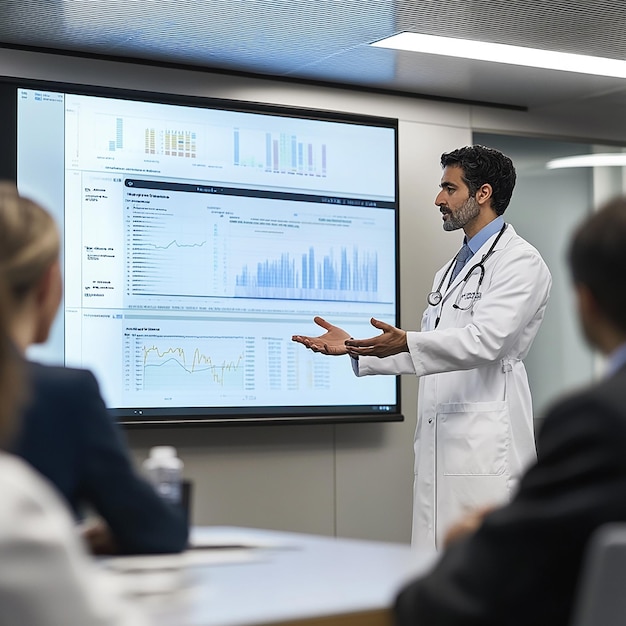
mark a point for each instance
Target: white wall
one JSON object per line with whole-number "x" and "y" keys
{"x": 348, "y": 480}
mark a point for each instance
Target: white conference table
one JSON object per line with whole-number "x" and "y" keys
{"x": 272, "y": 577}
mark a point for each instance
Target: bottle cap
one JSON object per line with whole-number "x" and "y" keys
{"x": 162, "y": 452}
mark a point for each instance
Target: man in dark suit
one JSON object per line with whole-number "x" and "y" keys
{"x": 67, "y": 435}
{"x": 520, "y": 564}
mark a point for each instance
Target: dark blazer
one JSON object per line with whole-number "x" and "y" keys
{"x": 68, "y": 436}
{"x": 522, "y": 565}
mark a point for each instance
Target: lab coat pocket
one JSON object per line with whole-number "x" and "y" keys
{"x": 473, "y": 438}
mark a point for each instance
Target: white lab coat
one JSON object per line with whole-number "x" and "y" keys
{"x": 474, "y": 433}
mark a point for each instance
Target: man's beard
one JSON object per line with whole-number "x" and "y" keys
{"x": 469, "y": 210}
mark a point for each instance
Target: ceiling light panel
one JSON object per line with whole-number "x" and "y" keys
{"x": 503, "y": 53}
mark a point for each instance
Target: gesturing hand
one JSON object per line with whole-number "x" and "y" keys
{"x": 466, "y": 525}
{"x": 98, "y": 537}
{"x": 331, "y": 342}
{"x": 392, "y": 341}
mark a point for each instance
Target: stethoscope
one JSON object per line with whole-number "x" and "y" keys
{"x": 435, "y": 297}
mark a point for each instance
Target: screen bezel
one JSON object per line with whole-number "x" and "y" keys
{"x": 181, "y": 416}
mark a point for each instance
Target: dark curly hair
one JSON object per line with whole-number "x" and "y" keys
{"x": 482, "y": 165}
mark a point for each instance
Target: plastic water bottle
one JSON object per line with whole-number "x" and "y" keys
{"x": 165, "y": 471}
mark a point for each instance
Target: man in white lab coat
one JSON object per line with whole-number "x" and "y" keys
{"x": 474, "y": 432}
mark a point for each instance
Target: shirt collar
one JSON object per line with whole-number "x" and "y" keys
{"x": 481, "y": 237}
{"x": 616, "y": 360}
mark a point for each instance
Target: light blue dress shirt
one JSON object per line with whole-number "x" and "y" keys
{"x": 616, "y": 360}
{"x": 481, "y": 237}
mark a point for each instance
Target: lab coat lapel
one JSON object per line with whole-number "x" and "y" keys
{"x": 460, "y": 277}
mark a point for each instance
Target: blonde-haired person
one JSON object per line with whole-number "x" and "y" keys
{"x": 46, "y": 578}
{"x": 65, "y": 431}
{"x": 12, "y": 386}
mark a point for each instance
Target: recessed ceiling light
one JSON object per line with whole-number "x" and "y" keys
{"x": 611, "y": 159}
{"x": 503, "y": 53}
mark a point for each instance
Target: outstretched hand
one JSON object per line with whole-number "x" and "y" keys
{"x": 467, "y": 524}
{"x": 392, "y": 341}
{"x": 98, "y": 537}
{"x": 332, "y": 342}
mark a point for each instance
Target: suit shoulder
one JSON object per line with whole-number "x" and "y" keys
{"x": 60, "y": 386}
{"x": 597, "y": 408}
{"x": 53, "y": 375}
{"x": 609, "y": 391}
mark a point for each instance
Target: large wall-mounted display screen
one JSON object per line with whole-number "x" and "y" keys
{"x": 199, "y": 235}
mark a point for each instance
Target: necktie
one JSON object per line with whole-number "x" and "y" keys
{"x": 461, "y": 258}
